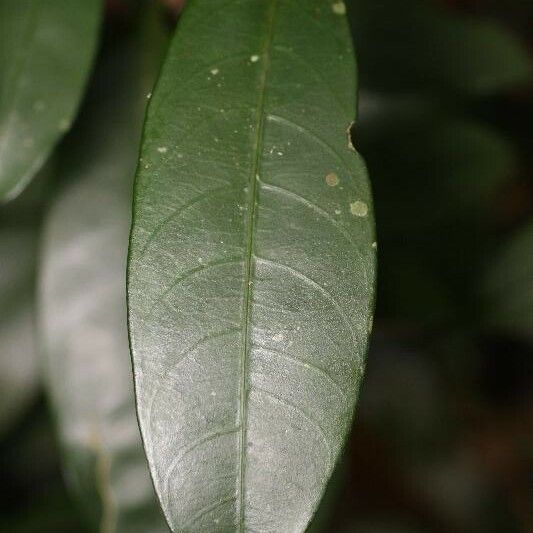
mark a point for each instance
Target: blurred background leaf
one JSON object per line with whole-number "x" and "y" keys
{"x": 83, "y": 298}
{"x": 46, "y": 52}
{"x": 418, "y": 45}
{"x": 19, "y": 372}
{"x": 508, "y": 286}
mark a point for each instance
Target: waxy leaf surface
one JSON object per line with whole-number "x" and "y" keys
{"x": 252, "y": 260}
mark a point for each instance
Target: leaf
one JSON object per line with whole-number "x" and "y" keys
{"x": 83, "y": 306}
{"x": 46, "y": 50}
{"x": 507, "y": 286}
{"x": 449, "y": 166}
{"x": 251, "y": 273}
{"x": 437, "y": 178}
{"x": 19, "y": 365}
{"x": 416, "y": 46}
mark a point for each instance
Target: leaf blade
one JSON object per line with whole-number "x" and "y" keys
{"x": 241, "y": 115}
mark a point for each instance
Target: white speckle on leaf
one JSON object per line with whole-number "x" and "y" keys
{"x": 359, "y": 209}
{"x": 280, "y": 153}
{"x": 215, "y": 71}
{"x": 213, "y": 393}
{"x": 374, "y": 245}
{"x": 339, "y": 8}
{"x": 162, "y": 149}
{"x": 254, "y": 58}
{"x": 278, "y": 337}
{"x": 338, "y": 211}
{"x": 180, "y": 156}
{"x": 148, "y": 96}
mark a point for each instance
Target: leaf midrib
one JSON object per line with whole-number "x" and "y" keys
{"x": 260, "y": 120}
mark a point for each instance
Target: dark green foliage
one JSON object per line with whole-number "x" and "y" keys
{"x": 441, "y": 440}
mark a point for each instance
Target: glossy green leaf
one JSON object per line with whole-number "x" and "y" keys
{"x": 19, "y": 365}
{"x": 83, "y": 306}
{"x": 252, "y": 260}
{"x": 46, "y": 50}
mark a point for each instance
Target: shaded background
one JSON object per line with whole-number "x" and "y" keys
{"x": 443, "y": 435}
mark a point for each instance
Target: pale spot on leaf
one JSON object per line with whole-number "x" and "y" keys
{"x": 254, "y": 58}
{"x": 339, "y": 8}
{"x": 162, "y": 149}
{"x": 359, "y": 209}
{"x": 215, "y": 71}
{"x": 332, "y": 179}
